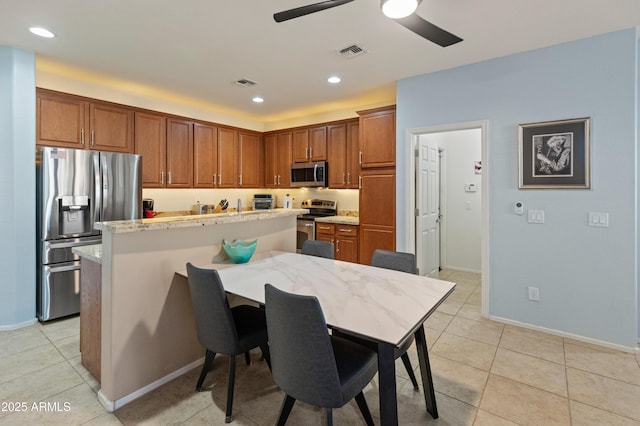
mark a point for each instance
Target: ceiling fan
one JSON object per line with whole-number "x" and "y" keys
{"x": 402, "y": 11}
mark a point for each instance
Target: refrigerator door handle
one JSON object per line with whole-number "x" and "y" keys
{"x": 97, "y": 196}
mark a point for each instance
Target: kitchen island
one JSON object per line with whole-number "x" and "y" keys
{"x": 148, "y": 334}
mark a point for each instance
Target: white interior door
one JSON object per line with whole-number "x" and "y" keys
{"x": 428, "y": 205}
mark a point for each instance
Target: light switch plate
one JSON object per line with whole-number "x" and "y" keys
{"x": 599, "y": 219}
{"x": 535, "y": 216}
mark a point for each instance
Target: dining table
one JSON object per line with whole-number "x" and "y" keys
{"x": 380, "y": 305}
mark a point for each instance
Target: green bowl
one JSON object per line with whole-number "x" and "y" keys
{"x": 239, "y": 251}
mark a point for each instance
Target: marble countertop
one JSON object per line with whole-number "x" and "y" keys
{"x": 92, "y": 252}
{"x": 343, "y": 220}
{"x": 383, "y": 304}
{"x": 162, "y": 223}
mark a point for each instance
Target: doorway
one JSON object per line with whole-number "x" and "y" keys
{"x": 447, "y": 189}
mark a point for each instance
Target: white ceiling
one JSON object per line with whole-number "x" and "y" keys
{"x": 198, "y": 48}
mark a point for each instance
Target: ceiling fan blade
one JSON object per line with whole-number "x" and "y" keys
{"x": 305, "y": 10}
{"x": 429, "y": 31}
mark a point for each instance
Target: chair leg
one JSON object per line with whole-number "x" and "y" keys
{"x": 329, "y": 417}
{"x": 208, "y": 361}
{"x": 265, "y": 354}
{"x": 285, "y": 410}
{"x": 407, "y": 365}
{"x": 232, "y": 380}
{"x": 364, "y": 408}
{"x": 247, "y": 358}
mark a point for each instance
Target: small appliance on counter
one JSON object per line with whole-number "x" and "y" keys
{"x": 287, "y": 202}
{"x": 264, "y": 201}
{"x": 147, "y": 207}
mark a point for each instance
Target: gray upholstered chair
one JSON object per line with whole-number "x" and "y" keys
{"x": 318, "y": 248}
{"x": 221, "y": 329}
{"x": 404, "y": 262}
{"x": 310, "y": 365}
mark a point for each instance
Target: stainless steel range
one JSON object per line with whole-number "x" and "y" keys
{"x": 306, "y": 226}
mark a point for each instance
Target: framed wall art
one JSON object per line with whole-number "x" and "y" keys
{"x": 554, "y": 155}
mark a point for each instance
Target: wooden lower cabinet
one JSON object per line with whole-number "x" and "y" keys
{"x": 343, "y": 237}
{"x": 377, "y": 212}
{"x": 91, "y": 316}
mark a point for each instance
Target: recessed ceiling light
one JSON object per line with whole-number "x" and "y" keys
{"x": 334, "y": 79}
{"x": 257, "y": 99}
{"x": 42, "y": 32}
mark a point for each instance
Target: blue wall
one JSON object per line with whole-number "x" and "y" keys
{"x": 17, "y": 183}
{"x": 586, "y": 275}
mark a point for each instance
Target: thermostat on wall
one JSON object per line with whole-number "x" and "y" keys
{"x": 469, "y": 187}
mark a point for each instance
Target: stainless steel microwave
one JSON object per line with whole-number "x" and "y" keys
{"x": 309, "y": 174}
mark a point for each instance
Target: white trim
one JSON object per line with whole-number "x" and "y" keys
{"x": 112, "y": 406}
{"x": 455, "y": 268}
{"x": 19, "y": 325}
{"x": 411, "y": 140}
{"x": 567, "y": 335}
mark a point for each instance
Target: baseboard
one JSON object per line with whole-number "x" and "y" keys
{"x": 455, "y": 268}
{"x": 112, "y": 406}
{"x": 19, "y": 325}
{"x": 603, "y": 343}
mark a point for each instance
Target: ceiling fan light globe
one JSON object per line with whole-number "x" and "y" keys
{"x": 396, "y": 9}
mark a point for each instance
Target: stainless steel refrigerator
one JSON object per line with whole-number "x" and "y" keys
{"x": 75, "y": 189}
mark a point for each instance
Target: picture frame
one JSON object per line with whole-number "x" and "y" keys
{"x": 555, "y": 154}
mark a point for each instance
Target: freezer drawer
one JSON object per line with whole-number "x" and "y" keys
{"x": 57, "y": 251}
{"x": 59, "y": 293}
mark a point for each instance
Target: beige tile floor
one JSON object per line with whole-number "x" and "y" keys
{"x": 485, "y": 374}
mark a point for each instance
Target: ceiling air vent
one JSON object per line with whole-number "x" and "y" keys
{"x": 352, "y": 51}
{"x": 245, "y": 82}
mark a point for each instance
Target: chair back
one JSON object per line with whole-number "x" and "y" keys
{"x": 302, "y": 360}
{"x": 214, "y": 321}
{"x": 318, "y": 248}
{"x": 399, "y": 261}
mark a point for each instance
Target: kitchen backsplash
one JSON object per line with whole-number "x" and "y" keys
{"x": 183, "y": 200}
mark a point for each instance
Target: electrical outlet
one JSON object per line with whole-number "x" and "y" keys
{"x": 534, "y": 293}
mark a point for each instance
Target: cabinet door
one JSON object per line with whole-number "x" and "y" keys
{"x": 346, "y": 249}
{"x": 353, "y": 155}
{"x": 228, "y": 158}
{"x": 301, "y": 146}
{"x": 179, "y": 153}
{"x": 251, "y": 170}
{"x": 270, "y": 160}
{"x": 337, "y": 155}
{"x": 205, "y": 156}
{"x": 318, "y": 144}
{"x": 150, "y": 142}
{"x": 377, "y": 212}
{"x": 378, "y": 138}
{"x": 284, "y": 159}
{"x": 60, "y": 120}
{"x": 111, "y": 127}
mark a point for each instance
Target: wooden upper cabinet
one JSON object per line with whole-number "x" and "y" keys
{"x": 378, "y": 137}
{"x": 179, "y": 153}
{"x": 111, "y": 127}
{"x": 251, "y": 164}
{"x": 283, "y": 159}
{"x": 205, "y": 156}
{"x": 74, "y": 122}
{"x": 309, "y": 144}
{"x": 337, "y": 155}
{"x": 301, "y": 146}
{"x": 60, "y": 119}
{"x": 228, "y": 158}
{"x": 318, "y": 143}
{"x": 271, "y": 160}
{"x": 353, "y": 154}
{"x": 150, "y": 142}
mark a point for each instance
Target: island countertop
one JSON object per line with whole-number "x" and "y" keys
{"x": 154, "y": 224}
{"x": 92, "y": 252}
